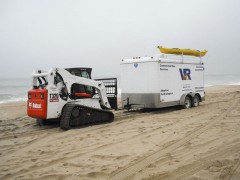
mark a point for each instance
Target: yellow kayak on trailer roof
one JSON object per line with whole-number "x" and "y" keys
{"x": 190, "y": 52}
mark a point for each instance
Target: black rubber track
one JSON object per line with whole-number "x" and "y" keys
{"x": 87, "y": 116}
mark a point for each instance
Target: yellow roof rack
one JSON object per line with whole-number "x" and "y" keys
{"x": 190, "y": 52}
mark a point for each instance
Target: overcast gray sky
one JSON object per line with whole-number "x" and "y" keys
{"x": 40, "y": 34}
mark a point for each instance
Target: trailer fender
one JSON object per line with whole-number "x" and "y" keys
{"x": 182, "y": 99}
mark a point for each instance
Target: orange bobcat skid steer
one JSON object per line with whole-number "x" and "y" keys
{"x": 71, "y": 96}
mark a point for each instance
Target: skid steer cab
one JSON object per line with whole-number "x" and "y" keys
{"x": 72, "y": 97}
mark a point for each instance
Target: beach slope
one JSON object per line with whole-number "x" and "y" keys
{"x": 171, "y": 143}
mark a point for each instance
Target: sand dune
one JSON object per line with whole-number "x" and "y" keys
{"x": 196, "y": 143}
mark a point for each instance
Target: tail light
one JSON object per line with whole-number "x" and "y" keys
{"x": 42, "y": 96}
{"x": 29, "y": 96}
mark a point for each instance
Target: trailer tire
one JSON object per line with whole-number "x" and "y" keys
{"x": 187, "y": 103}
{"x": 195, "y": 101}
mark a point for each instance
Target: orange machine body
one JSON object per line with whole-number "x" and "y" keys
{"x": 37, "y": 103}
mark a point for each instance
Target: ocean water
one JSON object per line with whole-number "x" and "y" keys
{"x": 13, "y": 90}
{"x": 228, "y": 79}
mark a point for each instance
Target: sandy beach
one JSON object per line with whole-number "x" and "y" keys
{"x": 171, "y": 143}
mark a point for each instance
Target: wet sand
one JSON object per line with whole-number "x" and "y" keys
{"x": 172, "y": 143}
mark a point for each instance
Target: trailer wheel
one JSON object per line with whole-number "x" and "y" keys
{"x": 187, "y": 103}
{"x": 195, "y": 101}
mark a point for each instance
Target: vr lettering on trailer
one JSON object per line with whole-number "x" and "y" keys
{"x": 54, "y": 97}
{"x": 185, "y": 73}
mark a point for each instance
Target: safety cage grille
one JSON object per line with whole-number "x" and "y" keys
{"x": 111, "y": 90}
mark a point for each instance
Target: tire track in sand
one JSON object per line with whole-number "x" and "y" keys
{"x": 105, "y": 146}
{"x": 202, "y": 163}
{"x": 77, "y": 154}
{"x": 132, "y": 169}
{"x": 236, "y": 171}
{"x": 46, "y": 131}
{"x": 28, "y": 133}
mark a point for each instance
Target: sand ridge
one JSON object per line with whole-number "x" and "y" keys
{"x": 197, "y": 143}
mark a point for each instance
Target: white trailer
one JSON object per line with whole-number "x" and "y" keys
{"x": 156, "y": 82}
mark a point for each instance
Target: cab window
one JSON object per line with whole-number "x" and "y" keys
{"x": 85, "y": 74}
